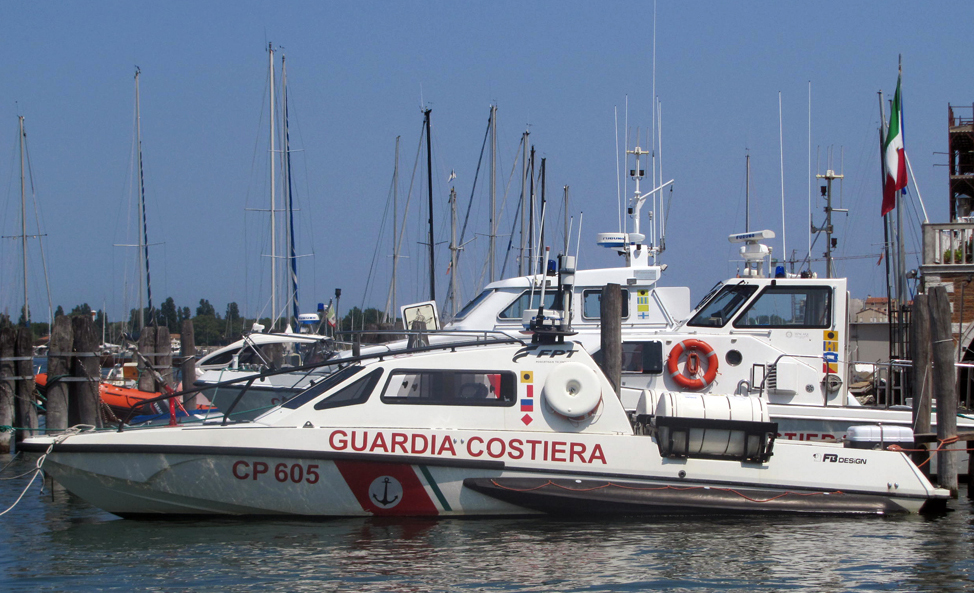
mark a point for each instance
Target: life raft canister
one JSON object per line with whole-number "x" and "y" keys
{"x": 573, "y": 390}
{"x": 694, "y": 348}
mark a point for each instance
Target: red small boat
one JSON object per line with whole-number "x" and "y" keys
{"x": 119, "y": 399}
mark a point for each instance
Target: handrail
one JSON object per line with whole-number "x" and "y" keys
{"x": 502, "y": 338}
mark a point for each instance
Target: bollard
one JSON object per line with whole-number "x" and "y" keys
{"x": 610, "y": 314}
{"x": 163, "y": 350}
{"x": 7, "y": 387}
{"x": 921, "y": 375}
{"x": 58, "y": 367}
{"x": 188, "y": 352}
{"x": 84, "y": 401}
{"x": 944, "y": 386}
{"x": 147, "y": 347}
{"x": 26, "y": 410}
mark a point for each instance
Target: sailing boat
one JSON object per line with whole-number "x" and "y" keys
{"x": 274, "y": 349}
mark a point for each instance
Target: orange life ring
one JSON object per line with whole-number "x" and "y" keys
{"x": 694, "y": 348}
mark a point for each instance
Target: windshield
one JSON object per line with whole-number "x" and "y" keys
{"x": 473, "y": 304}
{"x": 722, "y": 307}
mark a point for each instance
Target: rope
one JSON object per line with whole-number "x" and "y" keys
{"x": 79, "y": 428}
{"x": 12, "y": 459}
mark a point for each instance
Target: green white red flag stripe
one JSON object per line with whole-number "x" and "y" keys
{"x": 894, "y": 155}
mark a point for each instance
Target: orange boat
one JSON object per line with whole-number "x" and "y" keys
{"x": 119, "y": 399}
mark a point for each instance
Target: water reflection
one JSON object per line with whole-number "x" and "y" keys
{"x": 57, "y": 542}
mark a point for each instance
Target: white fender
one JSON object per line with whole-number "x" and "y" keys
{"x": 573, "y": 390}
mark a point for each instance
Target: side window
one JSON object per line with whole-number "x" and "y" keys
{"x": 220, "y": 359}
{"x": 642, "y": 357}
{"x": 787, "y": 306}
{"x": 318, "y": 388}
{"x": 450, "y": 388}
{"x": 722, "y": 307}
{"x": 516, "y": 309}
{"x": 592, "y": 303}
{"x": 356, "y": 393}
{"x": 639, "y": 357}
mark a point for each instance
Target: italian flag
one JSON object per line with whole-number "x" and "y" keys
{"x": 894, "y": 156}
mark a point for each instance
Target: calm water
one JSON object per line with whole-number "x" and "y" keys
{"x": 56, "y": 542}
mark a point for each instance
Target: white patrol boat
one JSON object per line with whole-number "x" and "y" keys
{"x": 485, "y": 430}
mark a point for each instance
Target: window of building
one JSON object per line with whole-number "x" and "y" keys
{"x": 450, "y": 388}
{"x": 789, "y": 306}
{"x": 592, "y": 303}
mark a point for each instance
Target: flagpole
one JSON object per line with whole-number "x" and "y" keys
{"x": 882, "y": 172}
{"x": 901, "y": 248}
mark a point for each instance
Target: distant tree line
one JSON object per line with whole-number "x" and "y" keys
{"x": 210, "y": 328}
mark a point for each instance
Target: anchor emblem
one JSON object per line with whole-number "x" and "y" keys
{"x": 390, "y": 490}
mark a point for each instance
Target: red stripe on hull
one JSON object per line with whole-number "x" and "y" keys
{"x": 387, "y": 489}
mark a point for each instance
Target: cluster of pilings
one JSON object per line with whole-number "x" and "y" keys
{"x": 73, "y": 376}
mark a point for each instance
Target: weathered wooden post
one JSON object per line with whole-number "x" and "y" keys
{"x": 58, "y": 366}
{"x": 7, "y": 386}
{"x": 26, "y": 411}
{"x": 610, "y": 312}
{"x": 147, "y": 347}
{"x": 187, "y": 349}
{"x": 920, "y": 347}
{"x": 84, "y": 401}
{"x": 944, "y": 385}
{"x": 163, "y": 356}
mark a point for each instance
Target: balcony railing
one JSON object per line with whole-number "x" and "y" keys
{"x": 949, "y": 244}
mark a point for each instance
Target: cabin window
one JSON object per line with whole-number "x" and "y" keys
{"x": 789, "y": 306}
{"x": 639, "y": 357}
{"x": 516, "y": 309}
{"x": 592, "y": 303}
{"x": 322, "y": 386}
{"x": 473, "y": 304}
{"x": 356, "y": 393}
{"x": 219, "y": 359}
{"x": 722, "y": 307}
{"x": 450, "y": 388}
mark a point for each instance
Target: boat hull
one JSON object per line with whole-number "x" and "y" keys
{"x": 465, "y": 474}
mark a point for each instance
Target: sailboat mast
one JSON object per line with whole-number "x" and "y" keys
{"x": 493, "y": 192}
{"x": 531, "y": 223}
{"x": 274, "y": 316}
{"x": 289, "y": 197}
{"x": 524, "y": 205}
{"x": 567, "y": 228}
{"x": 391, "y": 301}
{"x": 544, "y": 202}
{"x": 747, "y": 192}
{"x": 23, "y": 220}
{"x": 454, "y": 250}
{"x": 429, "y": 182}
{"x": 144, "y": 236}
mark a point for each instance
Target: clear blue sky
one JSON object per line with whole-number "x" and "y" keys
{"x": 358, "y": 73}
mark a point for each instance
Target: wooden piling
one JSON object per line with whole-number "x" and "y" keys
{"x": 187, "y": 349}
{"x": 84, "y": 401}
{"x": 944, "y": 381}
{"x": 921, "y": 376}
{"x": 163, "y": 356}
{"x": 7, "y": 387}
{"x": 610, "y": 313}
{"x": 147, "y": 346}
{"x": 58, "y": 367}
{"x": 26, "y": 410}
